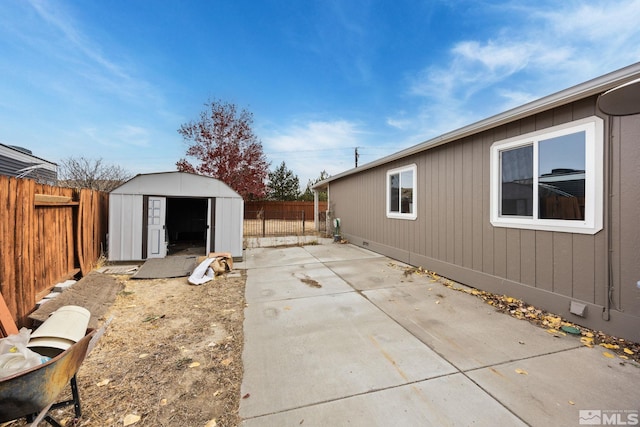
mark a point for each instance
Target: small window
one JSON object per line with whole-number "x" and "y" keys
{"x": 550, "y": 179}
{"x": 401, "y": 193}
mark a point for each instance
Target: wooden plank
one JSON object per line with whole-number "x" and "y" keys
{"x": 51, "y": 199}
{"x": 56, "y": 204}
{"x": 7, "y": 323}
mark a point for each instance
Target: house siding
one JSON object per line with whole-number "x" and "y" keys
{"x": 453, "y": 234}
{"x": 13, "y": 160}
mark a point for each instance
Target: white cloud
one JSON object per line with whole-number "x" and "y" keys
{"x": 133, "y": 135}
{"x": 310, "y": 147}
{"x": 540, "y": 52}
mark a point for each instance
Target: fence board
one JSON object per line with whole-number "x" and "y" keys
{"x": 267, "y": 206}
{"x": 44, "y": 243}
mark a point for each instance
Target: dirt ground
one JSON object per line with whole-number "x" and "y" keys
{"x": 172, "y": 356}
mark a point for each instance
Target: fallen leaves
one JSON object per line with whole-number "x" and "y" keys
{"x": 554, "y": 324}
{"x": 131, "y": 419}
{"x": 521, "y": 372}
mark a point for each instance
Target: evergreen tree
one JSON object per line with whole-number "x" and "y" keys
{"x": 283, "y": 184}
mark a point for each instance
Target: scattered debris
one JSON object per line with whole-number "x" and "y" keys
{"x": 555, "y": 325}
{"x": 131, "y": 419}
{"x": 310, "y": 282}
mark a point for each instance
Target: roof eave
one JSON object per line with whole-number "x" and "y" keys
{"x": 583, "y": 90}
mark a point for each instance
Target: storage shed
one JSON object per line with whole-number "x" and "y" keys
{"x": 154, "y": 215}
{"x": 539, "y": 203}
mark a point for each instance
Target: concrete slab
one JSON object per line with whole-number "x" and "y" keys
{"x": 374, "y": 273}
{"x": 463, "y": 329}
{"x": 557, "y": 386}
{"x": 406, "y": 351}
{"x": 452, "y": 400}
{"x": 340, "y": 252}
{"x": 306, "y": 351}
{"x": 292, "y": 281}
{"x": 263, "y": 242}
{"x": 272, "y": 257}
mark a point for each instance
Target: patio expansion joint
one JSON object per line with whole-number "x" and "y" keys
{"x": 466, "y": 373}
{"x": 364, "y": 393}
{"x": 534, "y": 356}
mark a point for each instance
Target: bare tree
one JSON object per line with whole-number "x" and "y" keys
{"x": 80, "y": 172}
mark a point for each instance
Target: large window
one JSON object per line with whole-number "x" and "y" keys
{"x": 401, "y": 192}
{"x": 550, "y": 179}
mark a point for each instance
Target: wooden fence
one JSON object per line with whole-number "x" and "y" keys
{"x": 47, "y": 234}
{"x": 269, "y": 206}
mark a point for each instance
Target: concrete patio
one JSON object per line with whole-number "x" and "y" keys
{"x": 338, "y": 335}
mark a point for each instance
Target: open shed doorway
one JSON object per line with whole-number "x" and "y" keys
{"x": 187, "y": 225}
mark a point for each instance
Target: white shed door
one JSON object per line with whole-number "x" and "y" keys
{"x": 156, "y": 245}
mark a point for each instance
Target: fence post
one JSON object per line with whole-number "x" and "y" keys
{"x": 303, "y": 223}
{"x": 264, "y": 225}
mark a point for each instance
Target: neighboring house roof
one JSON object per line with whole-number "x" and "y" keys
{"x": 592, "y": 87}
{"x": 19, "y": 162}
{"x": 178, "y": 184}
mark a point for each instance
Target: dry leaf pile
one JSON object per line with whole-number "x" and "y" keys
{"x": 554, "y": 324}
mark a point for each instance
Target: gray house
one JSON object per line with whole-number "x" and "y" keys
{"x": 20, "y": 162}
{"x": 540, "y": 203}
{"x": 153, "y": 215}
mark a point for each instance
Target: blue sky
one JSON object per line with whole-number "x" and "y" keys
{"x": 116, "y": 79}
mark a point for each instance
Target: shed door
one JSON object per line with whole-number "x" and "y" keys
{"x": 156, "y": 213}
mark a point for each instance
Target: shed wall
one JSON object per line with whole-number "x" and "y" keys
{"x": 453, "y": 234}
{"x": 125, "y": 227}
{"x": 229, "y": 220}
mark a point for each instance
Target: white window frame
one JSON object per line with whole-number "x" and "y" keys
{"x": 397, "y": 215}
{"x": 594, "y": 179}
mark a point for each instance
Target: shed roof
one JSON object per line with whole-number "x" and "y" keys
{"x": 178, "y": 184}
{"x": 592, "y": 87}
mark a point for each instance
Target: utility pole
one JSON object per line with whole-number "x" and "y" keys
{"x": 357, "y": 156}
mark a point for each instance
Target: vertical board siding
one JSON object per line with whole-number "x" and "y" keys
{"x": 453, "y": 223}
{"x": 584, "y": 262}
{"x": 544, "y": 260}
{"x": 458, "y": 205}
{"x": 478, "y": 197}
{"x": 628, "y": 255}
{"x": 562, "y": 263}
{"x": 487, "y": 228}
{"x": 528, "y": 257}
{"x": 514, "y": 246}
{"x": 43, "y": 243}
{"x": 468, "y": 202}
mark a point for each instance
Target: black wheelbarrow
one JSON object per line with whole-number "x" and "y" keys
{"x": 31, "y": 394}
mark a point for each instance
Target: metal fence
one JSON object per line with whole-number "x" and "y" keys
{"x": 273, "y": 223}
